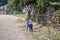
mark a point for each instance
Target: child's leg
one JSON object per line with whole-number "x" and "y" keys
{"x": 31, "y": 27}
{"x": 26, "y": 26}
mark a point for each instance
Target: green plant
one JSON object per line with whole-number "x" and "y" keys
{"x": 57, "y": 14}
{"x": 19, "y": 15}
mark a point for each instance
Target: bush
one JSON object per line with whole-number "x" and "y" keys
{"x": 57, "y": 13}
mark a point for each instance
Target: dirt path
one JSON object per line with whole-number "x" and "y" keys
{"x": 10, "y": 30}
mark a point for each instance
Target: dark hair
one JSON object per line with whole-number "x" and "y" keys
{"x": 31, "y": 19}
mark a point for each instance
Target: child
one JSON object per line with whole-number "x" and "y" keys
{"x": 31, "y": 24}
{"x": 27, "y": 23}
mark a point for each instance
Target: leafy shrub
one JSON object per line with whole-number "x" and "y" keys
{"x": 57, "y": 14}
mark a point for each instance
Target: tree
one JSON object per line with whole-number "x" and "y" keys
{"x": 3, "y": 2}
{"x": 10, "y": 5}
{"x": 39, "y": 5}
{"x": 42, "y": 5}
{"x": 15, "y": 4}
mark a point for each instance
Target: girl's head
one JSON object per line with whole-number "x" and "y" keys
{"x": 31, "y": 19}
{"x": 27, "y": 19}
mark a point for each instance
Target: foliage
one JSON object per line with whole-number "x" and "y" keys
{"x": 15, "y": 4}
{"x": 38, "y": 3}
{"x": 10, "y": 4}
{"x": 41, "y": 3}
{"x": 57, "y": 14}
{"x": 3, "y": 2}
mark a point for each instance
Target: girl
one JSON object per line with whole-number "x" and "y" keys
{"x": 31, "y": 24}
{"x": 27, "y": 23}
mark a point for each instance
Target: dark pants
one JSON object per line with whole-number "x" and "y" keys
{"x": 31, "y": 27}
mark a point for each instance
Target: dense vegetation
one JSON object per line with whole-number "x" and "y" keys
{"x": 17, "y": 5}
{"x": 3, "y": 2}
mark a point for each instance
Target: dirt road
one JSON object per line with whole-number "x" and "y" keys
{"x": 10, "y": 30}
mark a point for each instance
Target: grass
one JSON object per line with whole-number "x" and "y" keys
{"x": 42, "y": 34}
{"x": 19, "y": 15}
